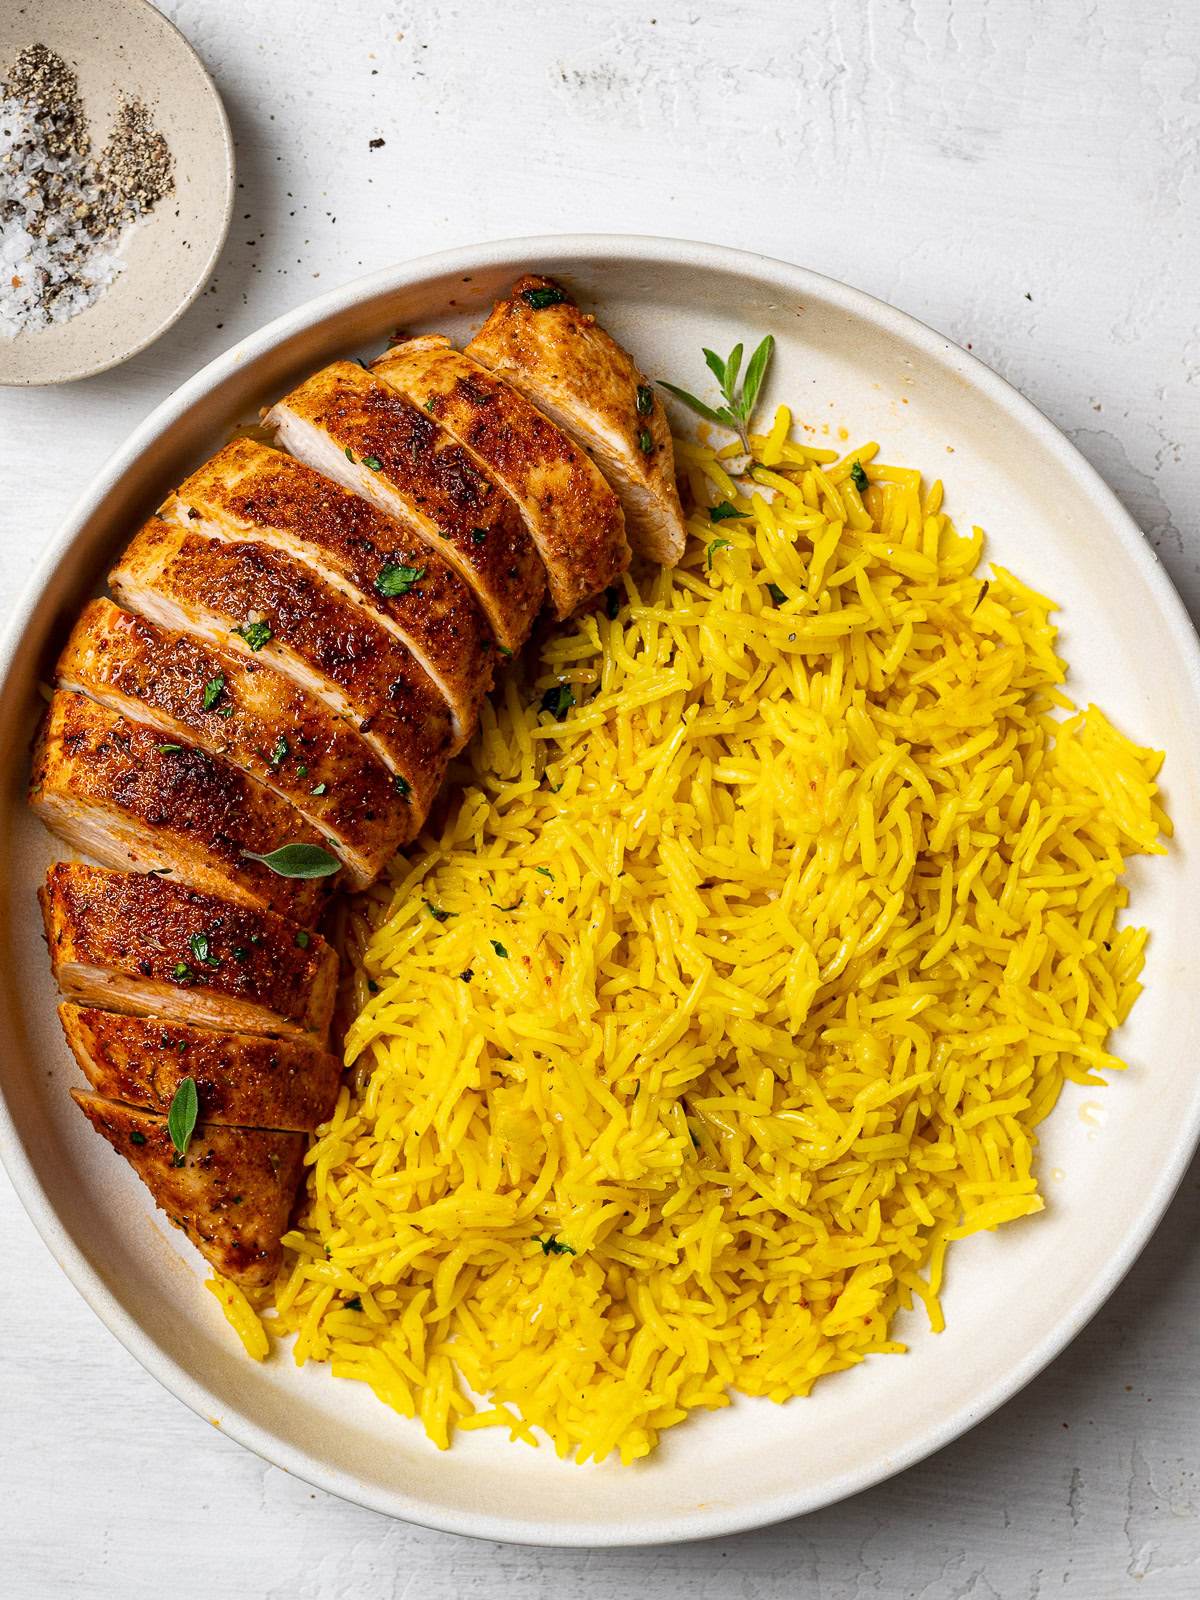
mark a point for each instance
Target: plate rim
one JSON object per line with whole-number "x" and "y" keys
{"x": 640, "y": 249}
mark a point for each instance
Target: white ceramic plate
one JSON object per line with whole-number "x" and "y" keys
{"x": 1110, "y": 1159}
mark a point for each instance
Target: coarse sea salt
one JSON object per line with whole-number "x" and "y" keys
{"x": 65, "y": 215}
{"x": 50, "y": 266}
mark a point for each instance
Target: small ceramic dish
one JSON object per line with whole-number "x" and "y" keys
{"x": 126, "y": 50}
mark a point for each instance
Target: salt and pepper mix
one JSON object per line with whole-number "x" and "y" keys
{"x": 64, "y": 212}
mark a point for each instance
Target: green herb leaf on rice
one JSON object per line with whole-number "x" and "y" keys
{"x": 738, "y": 410}
{"x": 724, "y": 511}
{"x": 558, "y": 700}
{"x": 858, "y": 477}
{"x": 181, "y": 1118}
{"x": 714, "y": 548}
{"x": 298, "y": 861}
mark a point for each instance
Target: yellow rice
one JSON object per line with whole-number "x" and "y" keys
{"x": 717, "y": 1009}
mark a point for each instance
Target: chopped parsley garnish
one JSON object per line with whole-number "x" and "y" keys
{"x": 373, "y": 462}
{"x": 724, "y": 511}
{"x": 183, "y": 973}
{"x": 552, "y": 1246}
{"x": 201, "y": 948}
{"x": 545, "y": 872}
{"x": 137, "y": 1137}
{"x": 402, "y": 785}
{"x": 645, "y": 441}
{"x": 738, "y": 408}
{"x": 645, "y": 400}
{"x": 512, "y": 907}
{"x": 318, "y": 788}
{"x": 479, "y": 535}
{"x": 713, "y": 549}
{"x": 558, "y": 700}
{"x": 169, "y": 749}
{"x": 394, "y": 579}
{"x": 255, "y": 634}
{"x": 858, "y": 477}
{"x": 437, "y": 913}
{"x": 539, "y": 299}
{"x": 303, "y": 939}
{"x": 302, "y": 771}
{"x": 213, "y": 690}
{"x": 498, "y": 948}
{"x": 612, "y": 602}
{"x": 280, "y": 751}
{"x": 181, "y": 1118}
{"x": 429, "y": 404}
{"x": 240, "y": 953}
{"x": 296, "y": 861}
{"x": 349, "y": 453}
{"x": 776, "y": 593}
{"x": 355, "y": 1302}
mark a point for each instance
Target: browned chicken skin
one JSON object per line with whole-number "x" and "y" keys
{"x": 136, "y": 943}
{"x": 312, "y": 646}
{"x": 250, "y": 492}
{"x": 557, "y": 355}
{"x": 251, "y": 716}
{"x": 351, "y": 426}
{"x": 116, "y": 790}
{"x": 573, "y": 517}
{"x": 262, "y": 604}
{"x": 232, "y": 1193}
{"x": 241, "y": 1080}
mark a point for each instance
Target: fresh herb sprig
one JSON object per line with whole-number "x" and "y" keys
{"x": 739, "y": 405}
{"x": 181, "y": 1117}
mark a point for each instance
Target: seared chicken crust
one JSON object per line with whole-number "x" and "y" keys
{"x": 558, "y": 356}
{"x": 351, "y": 426}
{"x": 251, "y": 716}
{"x": 127, "y": 941}
{"x": 232, "y": 1193}
{"x": 241, "y": 1080}
{"x": 114, "y": 789}
{"x": 248, "y": 491}
{"x": 263, "y": 605}
{"x": 573, "y": 517}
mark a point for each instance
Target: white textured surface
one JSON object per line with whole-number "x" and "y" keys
{"x": 950, "y": 158}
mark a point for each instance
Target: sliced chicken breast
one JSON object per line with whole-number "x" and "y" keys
{"x": 241, "y": 1081}
{"x": 351, "y": 426}
{"x": 232, "y": 1193}
{"x": 573, "y": 517}
{"x": 117, "y": 791}
{"x": 250, "y": 492}
{"x": 127, "y": 941}
{"x": 558, "y": 356}
{"x": 264, "y": 605}
{"x": 252, "y": 717}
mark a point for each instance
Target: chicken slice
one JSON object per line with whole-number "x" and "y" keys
{"x": 241, "y": 1081}
{"x": 232, "y": 1193}
{"x": 581, "y": 378}
{"x": 255, "y": 719}
{"x": 573, "y": 517}
{"x": 114, "y": 789}
{"x": 128, "y": 941}
{"x": 351, "y": 426}
{"x": 263, "y": 605}
{"x": 250, "y": 492}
